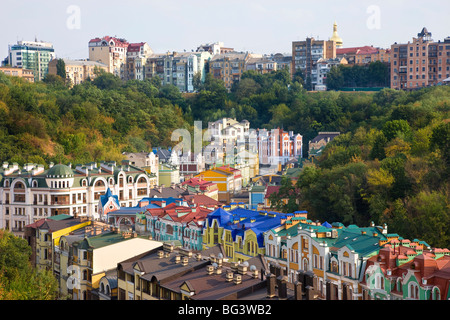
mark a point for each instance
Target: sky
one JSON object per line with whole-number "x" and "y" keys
{"x": 258, "y": 26}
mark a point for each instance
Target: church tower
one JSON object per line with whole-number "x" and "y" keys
{"x": 336, "y": 37}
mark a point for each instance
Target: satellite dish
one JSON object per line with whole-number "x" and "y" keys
{"x": 245, "y": 263}
{"x": 252, "y": 268}
{"x": 220, "y": 256}
{"x": 214, "y": 265}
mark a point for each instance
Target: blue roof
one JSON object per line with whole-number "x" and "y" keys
{"x": 327, "y": 225}
{"x": 105, "y": 198}
{"x": 247, "y": 219}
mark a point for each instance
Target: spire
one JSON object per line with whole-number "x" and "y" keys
{"x": 336, "y": 37}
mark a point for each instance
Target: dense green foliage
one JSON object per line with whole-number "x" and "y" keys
{"x": 389, "y": 165}
{"x": 374, "y": 74}
{"x": 98, "y": 120}
{"x": 18, "y": 280}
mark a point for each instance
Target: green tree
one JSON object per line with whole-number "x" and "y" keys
{"x": 335, "y": 78}
{"x": 61, "y": 68}
{"x": 18, "y": 280}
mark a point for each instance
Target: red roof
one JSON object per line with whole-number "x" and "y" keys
{"x": 118, "y": 42}
{"x": 356, "y": 50}
{"x": 135, "y": 47}
{"x": 193, "y": 182}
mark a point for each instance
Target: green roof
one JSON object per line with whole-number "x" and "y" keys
{"x": 60, "y": 171}
{"x": 102, "y": 240}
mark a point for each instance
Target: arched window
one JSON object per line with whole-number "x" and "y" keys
{"x": 84, "y": 183}
{"x": 6, "y": 183}
{"x": 102, "y": 288}
{"x": 19, "y": 185}
{"x": 99, "y": 183}
{"x": 107, "y": 290}
{"x": 413, "y": 291}
{"x": 436, "y": 294}
{"x": 142, "y": 180}
{"x": 130, "y": 179}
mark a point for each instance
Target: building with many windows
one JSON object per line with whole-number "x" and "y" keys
{"x": 240, "y": 231}
{"x": 420, "y": 63}
{"x": 228, "y": 67}
{"x": 78, "y": 71}
{"x": 407, "y": 270}
{"x": 110, "y": 51}
{"x": 32, "y": 192}
{"x": 26, "y": 74}
{"x": 32, "y": 55}
{"x": 305, "y": 55}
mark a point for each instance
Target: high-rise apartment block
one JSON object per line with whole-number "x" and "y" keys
{"x": 229, "y": 67}
{"x": 420, "y": 63}
{"x": 33, "y": 55}
{"x": 305, "y": 55}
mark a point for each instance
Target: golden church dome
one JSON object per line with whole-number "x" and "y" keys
{"x": 336, "y": 37}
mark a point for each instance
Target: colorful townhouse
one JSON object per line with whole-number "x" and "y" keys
{"x": 198, "y": 185}
{"x": 334, "y": 255}
{"x": 407, "y": 270}
{"x": 44, "y": 235}
{"x": 177, "y": 223}
{"x": 93, "y": 257}
{"x": 240, "y": 231}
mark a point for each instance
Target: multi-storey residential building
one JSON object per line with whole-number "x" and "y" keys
{"x": 110, "y": 51}
{"x": 364, "y": 55}
{"x": 144, "y": 277}
{"x": 178, "y": 68}
{"x": 32, "y": 55}
{"x": 228, "y": 67}
{"x": 323, "y": 67}
{"x": 26, "y": 74}
{"x": 149, "y": 161}
{"x": 175, "y": 223}
{"x": 407, "y": 270}
{"x": 420, "y": 63}
{"x": 305, "y": 55}
{"x": 201, "y": 186}
{"x": 283, "y": 61}
{"x": 31, "y": 193}
{"x": 240, "y": 231}
{"x": 261, "y": 65}
{"x": 78, "y": 70}
{"x": 45, "y": 233}
{"x": 276, "y": 147}
{"x": 137, "y": 55}
{"x": 92, "y": 257}
{"x": 227, "y": 179}
{"x": 335, "y": 255}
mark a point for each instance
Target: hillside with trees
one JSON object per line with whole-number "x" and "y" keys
{"x": 389, "y": 165}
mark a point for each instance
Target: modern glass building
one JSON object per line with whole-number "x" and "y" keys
{"x": 32, "y": 55}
